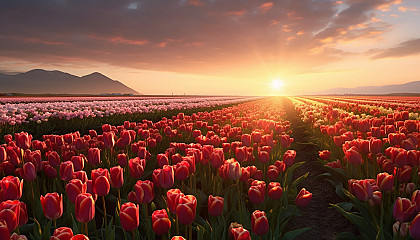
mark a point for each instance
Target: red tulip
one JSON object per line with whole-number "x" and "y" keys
{"x": 84, "y": 207}
{"x": 259, "y": 223}
{"x": 289, "y": 157}
{"x": 217, "y": 157}
{"x": 178, "y": 238}
{"x": 10, "y": 212}
{"x": 181, "y": 170}
{"x": 4, "y": 231}
{"x": 94, "y": 156}
{"x": 385, "y": 181}
{"x": 117, "y": 177}
{"x": 66, "y": 171}
{"x": 404, "y": 209}
{"x": 132, "y": 197}
{"x": 53, "y": 159}
{"x": 285, "y": 141}
{"x": 325, "y": 155}
{"x": 62, "y": 233}
{"x": 273, "y": 172}
{"x": 415, "y": 228}
{"x": 353, "y": 156}
{"x": 74, "y": 188}
{"x": 100, "y": 181}
{"x": 404, "y": 174}
{"x": 129, "y": 216}
{"x": 246, "y": 140}
{"x": 161, "y": 222}
{"x": 109, "y": 140}
{"x": 172, "y": 199}
{"x": 79, "y": 237}
{"x": 362, "y": 189}
{"x": 144, "y": 191}
{"x": 186, "y": 209}
{"x": 256, "y": 192}
{"x": 3, "y": 154}
{"x": 81, "y": 175}
{"x": 240, "y": 233}
{"x": 49, "y": 170}
{"x": 166, "y": 177}
{"x": 78, "y": 162}
{"x": 162, "y": 159}
{"x": 136, "y": 167}
{"x": 274, "y": 190}
{"x": 23, "y": 140}
{"x": 52, "y": 205}
{"x": 11, "y": 188}
{"x": 303, "y": 198}
{"x": 375, "y": 145}
{"x": 215, "y": 205}
{"x": 122, "y": 159}
{"x": 14, "y": 236}
{"x": 29, "y": 172}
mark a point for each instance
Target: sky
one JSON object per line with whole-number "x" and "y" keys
{"x": 217, "y": 47}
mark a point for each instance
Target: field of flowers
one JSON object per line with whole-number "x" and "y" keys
{"x": 225, "y": 170}
{"x": 369, "y": 146}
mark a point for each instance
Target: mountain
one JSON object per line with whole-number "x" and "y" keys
{"x": 406, "y": 88}
{"x": 39, "y": 81}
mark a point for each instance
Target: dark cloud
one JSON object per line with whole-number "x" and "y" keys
{"x": 407, "y": 48}
{"x": 193, "y": 36}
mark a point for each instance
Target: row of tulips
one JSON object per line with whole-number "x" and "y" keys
{"x": 373, "y": 161}
{"x": 157, "y": 179}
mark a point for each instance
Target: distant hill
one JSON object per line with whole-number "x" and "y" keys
{"x": 39, "y": 81}
{"x": 398, "y": 89}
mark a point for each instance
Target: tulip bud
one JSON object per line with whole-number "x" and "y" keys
{"x": 116, "y": 176}
{"x": 259, "y": 223}
{"x": 385, "y": 181}
{"x": 215, "y": 205}
{"x": 29, "y": 172}
{"x": 166, "y": 177}
{"x": 52, "y": 205}
{"x": 62, "y": 233}
{"x": 144, "y": 191}
{"x": 84, "y": 207}
{"x": 181, "y": 170}
{"x": 303, "y": 198}
{"x": 74, "y": 188}
{"x": 100, "y": 181}
{"x": 172, "y": 199}
{"x": 275, "y": 190}
{"x": 4, "y": 231}
{"x": 66, "y": 171}
{"x": 122, "y": 159}
{"x": 186, "y": 209}
{"x": 9, "y": 212}
{"x": 160, "y": 221}
{"x": 289, "y": 157}
{"x": 11, "y": 188}
{"x": 404, "y": 209}
{"x": 129, "y": 216}
{"x": 240, "y": 233}
{"x": 136, "y": 167}
{"x": 256, "y": 192}
{"x": 94, "y": 156}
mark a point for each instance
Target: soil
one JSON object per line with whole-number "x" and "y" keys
{"x": 324, "y": 221}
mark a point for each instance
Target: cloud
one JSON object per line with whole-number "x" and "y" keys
{"x": 407, "y": 48}
{"x": 190, "y": 36}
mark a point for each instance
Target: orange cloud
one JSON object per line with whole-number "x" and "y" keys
{"x": 286, "y": 28}
{"x": 407, "y": 8}
{"x": 128, "y": 41}
{"x": 293, "y": 15}
{"x": 37, "y": 40}
{"x": 265, "y": 7}
{"x": 162, "y": 44}
{"x": 236, "y": 13}
{"x": 195, "y": 2}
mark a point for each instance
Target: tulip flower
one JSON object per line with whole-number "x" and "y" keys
{"x": 66, "y": 171}
{"x": 29, "y": 172}
{"x": 289, "y": 157}
{"x": 186, "y": 209}
{"x": 74, "y": 188}
{"x": 256, "y": 192}
{"x": 116, "y": 176}
{"x": 385, "y": 181}
{"x": 325, "y": 155}
{"x": 215, "y": 205}
{"x": 353, "y": 156}
{"x": 136, "y": 167}
{"x": 166, "y": 177}
{"x": 84, "y": 207}
{"x": 259, "y": 223}
{"x": 78, "y": 162}
{"x": 94, "y": 156}
{"x": 122, "y": 159}
{"x": 362, "y": 189}
{"x": 129, "y": 216}
{"x": 181, "y": 170}
{"x": 178, "y": 238}
{"x": 160, "y": 221}
{"x": 303, "y": 198}
{"x": 11, "y": 188}
{"x": 23, "y": 140}
{"x": 23, "y": 214}
{"x": 52, "y": 205}
{"x": 234, "y": 169}
{"x": 15, "y": 236}
{"x": 144, "y": 191}
{"x": 263, "y": 156}
{"x": 79, "y": 237}
{"x": 62, "y": 233}
{"x": 240, "y": 233}
{"x": 89, "y": 189}
{"x": 414, "y": 228}
{"x": 275, "y": 190}
{"x": 273, "y": 172}
{"x": 162, "y": 159}
{"x": 109, "y": 140}
{"x": 404, "y": 209}
{"x": 100, "y": 181}
{"x": 53, "y": 159}
{"x": 172, "y": 199}
{"x": 9, "y": 212}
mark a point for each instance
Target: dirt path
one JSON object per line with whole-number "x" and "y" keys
{"x": 325, "y": 222}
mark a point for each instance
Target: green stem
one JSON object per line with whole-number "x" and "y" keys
{"x": 86, "y": 229}
{"x": 106, "y": 221}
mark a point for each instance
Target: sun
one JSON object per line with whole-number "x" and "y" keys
{"x": 277, "y": 84}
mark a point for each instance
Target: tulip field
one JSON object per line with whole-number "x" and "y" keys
{"x": 207, "y": 167}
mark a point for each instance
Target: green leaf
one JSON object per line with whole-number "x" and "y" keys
{"x": 75, "y": 226}
{"x": 347, "y": 236}
{"x": 293, "y": 234}
{"x": 47, "y": 231}
{"x": 37, "y": 230}
{"x": 364, "y": 227}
